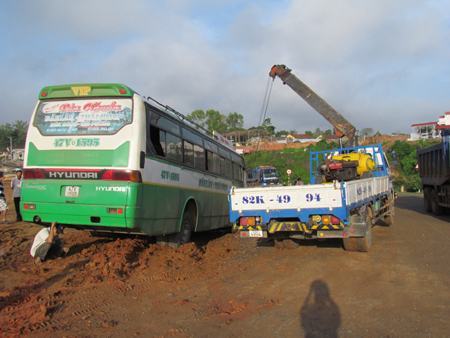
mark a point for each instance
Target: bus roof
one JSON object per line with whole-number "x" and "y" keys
{"x": 85, "y": 90}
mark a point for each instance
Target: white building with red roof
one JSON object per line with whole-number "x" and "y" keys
{"x": 430, "y": 130}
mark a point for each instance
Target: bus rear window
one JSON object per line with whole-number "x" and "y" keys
{"x": 83, "y": 117}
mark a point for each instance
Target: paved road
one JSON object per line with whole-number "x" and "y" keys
{"x": 232, "y": 288}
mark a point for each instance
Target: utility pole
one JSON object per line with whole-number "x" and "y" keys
{"x": 10, "y": 147}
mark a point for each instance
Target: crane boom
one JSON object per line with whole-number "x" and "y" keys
{"x": 341, "y": 125}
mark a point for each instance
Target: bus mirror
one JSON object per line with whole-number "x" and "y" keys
{"x": 142, "y": 160}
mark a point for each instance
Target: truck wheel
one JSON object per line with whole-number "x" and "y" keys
{"x": 435, "y": 207}
{"x": 350, "y": 244}
{"x": 361, "y": 244}
{"x": 364, "y": 243}
{"x": 389, "y": 219}
{"x": 427, "y": 199}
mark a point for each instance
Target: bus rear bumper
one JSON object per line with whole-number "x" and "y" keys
{"x": 79, "y": 214}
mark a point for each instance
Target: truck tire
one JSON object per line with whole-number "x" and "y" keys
{"x": 350, "y": 244}
{"x": 427, "y": 199}
{"x": 389, "y": 219}
{"x": 361, "y": 244}
{"x": 435, "y": 207}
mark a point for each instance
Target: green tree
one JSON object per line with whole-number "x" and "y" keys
{"x": 268, "y": 126}
{"x": 17, "y": 131}
{"x": 198, "y": 116}
{"x": 366, "y": 132}
{"x": 215, "y": 121}
{"x": 234, "y": 121}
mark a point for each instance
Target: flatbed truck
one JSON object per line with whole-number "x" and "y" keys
{"x": 338, "y": 209}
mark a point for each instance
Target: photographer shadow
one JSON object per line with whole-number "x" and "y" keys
{"x": 320, "y": 315}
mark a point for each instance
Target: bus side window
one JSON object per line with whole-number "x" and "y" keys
{"x": 209, "y": 161}
{"x": 188, "y": 153}
{"x": 199, "y": 157}
{"x": 173, "y": 144}
{"x": 157, "y": 138}
{"x": 222, "y": 170}
{"x": 228, "y": 169}
{"x": 216, "y": 159}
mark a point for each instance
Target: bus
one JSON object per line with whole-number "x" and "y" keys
{"x": 102, "y": 157}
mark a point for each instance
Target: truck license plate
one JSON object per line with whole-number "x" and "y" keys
{"x": 256, "y": 233}
{"x": 72, "y": 191}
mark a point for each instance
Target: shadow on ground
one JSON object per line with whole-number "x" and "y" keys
{"x": 414, "y": 202}
{"x": 319, "y": 314}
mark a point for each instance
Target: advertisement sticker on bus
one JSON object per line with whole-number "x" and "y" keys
{"x": 83, "y": 117}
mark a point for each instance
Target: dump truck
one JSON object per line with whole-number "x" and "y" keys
{"x": 262, "y": 176}
{"x": 322, "y": 209}
{"x": 434, "y": 171}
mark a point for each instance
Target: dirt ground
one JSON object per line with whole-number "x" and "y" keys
{"x": 223, "y": 286}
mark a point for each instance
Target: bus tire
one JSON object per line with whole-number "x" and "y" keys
{"x": 187, "y": 226}
{"x": 427, "y": 199}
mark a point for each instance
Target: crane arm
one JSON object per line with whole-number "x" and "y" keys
{"x": 340, "y": 124}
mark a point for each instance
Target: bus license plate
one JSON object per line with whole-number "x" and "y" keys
{"x": 256, "y": 233}
{"x": 72, "y": 191}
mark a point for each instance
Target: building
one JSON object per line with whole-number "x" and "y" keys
{"x": 423, "y": 131}
{"x": 17, "y": 155}
{"x": 430, "y": 130}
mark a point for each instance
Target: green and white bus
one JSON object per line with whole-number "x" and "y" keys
{"x": 104, "y": 158}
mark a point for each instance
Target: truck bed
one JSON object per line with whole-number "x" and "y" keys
{"x": 306, "y": 200}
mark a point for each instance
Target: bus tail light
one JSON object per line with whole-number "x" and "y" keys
{"x": 29, "y": 206}
{"x": 33, "y": 173}
{"x": 122, "y": 175}
{"x": 115, "y": 211}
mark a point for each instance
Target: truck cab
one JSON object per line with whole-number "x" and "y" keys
{"x": 263, "y": 176}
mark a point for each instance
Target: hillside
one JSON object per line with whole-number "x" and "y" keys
{"x": 401, "y": 155}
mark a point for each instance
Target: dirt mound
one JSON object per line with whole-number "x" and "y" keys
{"x": 114, "y": 260}
{"x": 187, "y": 262}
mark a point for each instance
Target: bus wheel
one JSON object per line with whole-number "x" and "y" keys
{"x": 187, "y": 226}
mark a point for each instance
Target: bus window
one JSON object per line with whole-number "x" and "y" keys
{"x": 173, "y": 147}
{"x": 157, "y": 143}
{"x": 199, "y": 157}
{"x": 216, "y": 159}
{"x": 209, "y": 161}
{"x": 222, "y": 166}
{"x": 166, "y": 124}
{"x": 228, "y": 169}
{"x": 188, "y": 153}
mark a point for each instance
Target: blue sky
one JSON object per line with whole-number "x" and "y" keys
{"x": 384, "y": 64}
